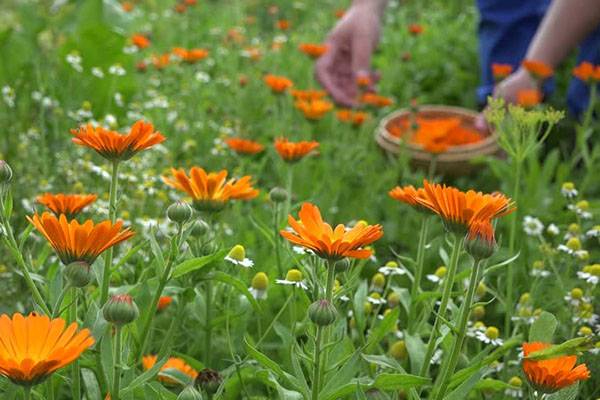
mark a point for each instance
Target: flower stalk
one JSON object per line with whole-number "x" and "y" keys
{"x": 112, "y": 214}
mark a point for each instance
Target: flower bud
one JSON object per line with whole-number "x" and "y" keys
{"x": 209, "y": 380}
{"x": 5, "y": 173}
{"x": 199, "y": 228}
{"x": 480, "y": 242}
{"x": 515, "y": 381}
{"x": 342, "y": 265}
{"x": 278, "y": 195}
{"x": 120, "y": 310}
{"x": 393, "y": 299}
{"x": 260, "y": 281}
{"x": 577, "y": 293}
{"x": 398, "y": 350}
{"x": 79, "y": 274}
{"x": 179, "y": 212}
{"x": 378, "y": 281}
{"x": 164, "y": 302}
{"x": 189, "y": 393}
{"x": 322, "y": 313}
{"x": 478, "y": 312}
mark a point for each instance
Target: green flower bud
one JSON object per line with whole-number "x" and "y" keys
{"x": 393, "y": 299}
{"x": 199, "y": 228}
{"x": 278, "y": 195}
{"x": 120, "y": 310}
{"x": 190, "y": 393}
{"x": 79, "y": 274}
{"x": 515, "y": 381}
{"x": 5, "y": 173}
{"x": 209, "y": 380}
{"x": 342, "y": 265}
{"x": 478, "y": 312}
{"x": 398, "y": 350}
{"x": 322, "y": 313}
{"x": 179, "y": 212}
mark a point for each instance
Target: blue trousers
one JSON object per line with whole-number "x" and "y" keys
{"x": 505, "y": 29}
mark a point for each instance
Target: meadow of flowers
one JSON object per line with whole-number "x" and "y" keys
{"x": 185, "y": 214}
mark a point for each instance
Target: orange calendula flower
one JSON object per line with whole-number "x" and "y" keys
{"x": 278, "y": 84}
{"x": 409, "y": 195}
{"x": 283, "y": 24}
{"x": 312, "y": 233}
{"x": 587, "y": 72}
{"x": 73, "y": 241}
{"x": 211, "y": 191}
{"x": 363, "y": 81}
{"x": 458, "y": 209}
{"x": 314, "y": 109}
{"x": 307, "y": 95}
{"x": 554, "y": 374}
{"x": 529, "y": 97}
{"x": 116, "y": 147}
{"x": 356, "y": 118}
{"x": 373, "y": 99}
{"x": 161, "y": 61}
{"x": 415, "y": 29}
{"x": 164, "y": 302}
{"x": 180, "y": 8}
{"x": 33, "y": 347}
{"x": 173, "y": 363}
{"x": 244, "y": 146}
{"x": 140, "y": 41}
{"x": 68, "y": 204}
{"x": 501, "y": 71}
{"x": 538, "y": 69}
{"x": 314, "y": 50}
{"x": 190, "y": 56}
{"x": 127, "y": 6}
{"x": 294, "y": 151}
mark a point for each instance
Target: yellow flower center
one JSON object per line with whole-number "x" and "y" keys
{"x": 539, "y": 264}
{"x": 441, "y": 272}
{"x": 574, "y": 228}
{"x": 294, "y": 275}
{"x": 576, "y": 293}
{"x": 260, "y": 281}
{"x": 237, "y": 252}
{"x": 492, "y": 332}
{"x": 585, "y": 331}
{"x": 391, "y": 264}
{"x": 525, "y": 298}
{"x": 583, "y": 205}
{"x": 515, "y": 381}
{"x": 398, "y": 350}
{"x": 378, "y": 280}
{"x": 574, "y": 244}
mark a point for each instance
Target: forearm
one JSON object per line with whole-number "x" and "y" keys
{"x": 565, "y": 25}
{"x": 378, "y": 5}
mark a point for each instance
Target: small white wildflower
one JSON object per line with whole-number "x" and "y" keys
{"x": 74, "y": 60}
{"x": 117, "y": 70}
{"x": 553, "y": 230}
{"x": 532, "y": 226}
{"x": 97, "y": 72}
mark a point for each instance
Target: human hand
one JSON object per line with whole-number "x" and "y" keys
{"x": 350, "y": 46}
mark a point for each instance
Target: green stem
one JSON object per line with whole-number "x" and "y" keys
{"x": 117, "y": 364}
{"x": 289, "y": 188}
{"x": 112, "y": 213}
{"x": 76, "y": 380}
{"x": 276, "y": 238}
{"x": 208, "y": 330}
{"x": 465, "y": 311}
{"x": 12, "y": 245}
{"x": 511, "y": 248}
{"x": 416, "y": 287}
{"x": 61, "y": 296}
{"x": 446, "y": 291}
{"x": 317, "y": 371}
{"x": 27, "y": 392}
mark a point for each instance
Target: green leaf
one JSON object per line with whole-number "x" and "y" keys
{"x": 461, "y": 392}
{"x": 92, "y": 389}
{"x": 342, "y": 376}
{"x": 399, "y": 381}
{"x": 387, "y": 325}
{"x": 237, "y": 284}
{"x": 416, "y": 351}
{"x": 144, "y": 377}
{"x": 177, "y": 375}
{"x": 359, "y": 306}
{"x": 567, "y": 348}
{"x": 197, "y": 263}
{"x": 343, "y": 390}
{"x": 493, "y": 384}
{"x": 263, "y": 359}
{"x": 542, "y": 330}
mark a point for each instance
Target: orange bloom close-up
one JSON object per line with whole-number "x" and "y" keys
{"x": 127, "y": 6}
{"x": 173, "y": 363}
{"x": 35, "y": 346}
{"x": 538, "y": 69}
{"x": 458, "y": 209}
{"x": 529, "y": 97}
{"x": 68, "y": 204}
{"x": 244, "y": 146}
{"x": 211, "y": 191}
{"x": 307, "y": 95}
{"x": 554, "y": 374}
{"x": 294, "y": 151}
{"x": 314, "y": 109}
{"x": 587, "y": 72}
{"x": 140, "y": 41}
{"x": 312, "y": 233}
{"x": 314, "y": 50}
{"x": 278, "y": 84}
{"x": 73, "y": 241}
{"x": 114, "y": 146}
{"x": 501, "y": 71}
{"x": 408, "y": 195}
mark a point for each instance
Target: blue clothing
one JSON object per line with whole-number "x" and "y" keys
{"x": 506, "y": 28}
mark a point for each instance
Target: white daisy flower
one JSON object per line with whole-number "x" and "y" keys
{"x": 532, "y": 226}
{"x": 375, "y": 298}
{"x": 588, "y": 277}
{"x": 293, "y": 278}
{"x": 97, "y": 72}
{"x": 553, "y": 230}
{"x": 237, "y": 256}
{"x": 568, "y": 190}
{"x": 594, "y": 232}
{"x": 392, "y": 268}
{"x": 490, "y": 336}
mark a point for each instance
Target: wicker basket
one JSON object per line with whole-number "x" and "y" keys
{"x": 457, "y": 159}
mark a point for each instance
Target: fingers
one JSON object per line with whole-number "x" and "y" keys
{"x": 480, "y": 123}
{"x": 332, "y": 71}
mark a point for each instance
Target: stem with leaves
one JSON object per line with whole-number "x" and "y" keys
{"x": 112, "y": 214}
